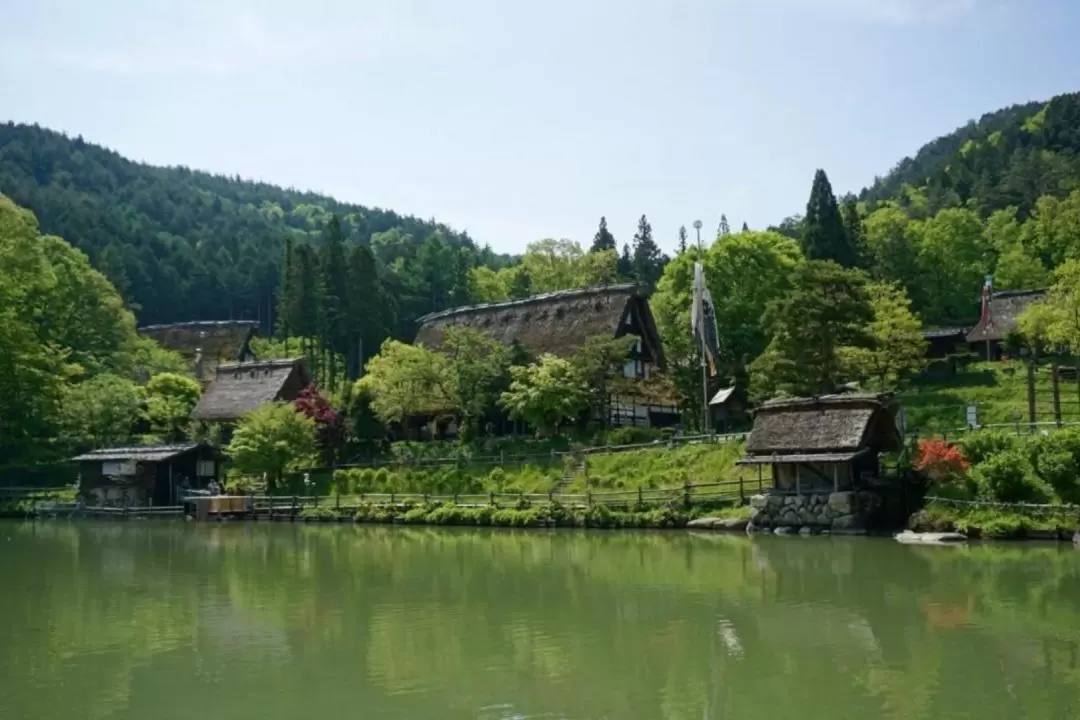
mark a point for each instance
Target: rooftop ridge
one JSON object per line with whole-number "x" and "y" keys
{"x": 629, "y": 288}
{"x": 201, "y": 323}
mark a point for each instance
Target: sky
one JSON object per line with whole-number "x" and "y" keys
{"x": 517, "y": 121}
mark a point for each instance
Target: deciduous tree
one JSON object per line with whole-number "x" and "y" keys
{"x": 272, "y": 439}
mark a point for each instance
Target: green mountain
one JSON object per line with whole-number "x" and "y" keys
{"x": 186, "y": 245}
{"x": 1010, "y": 157}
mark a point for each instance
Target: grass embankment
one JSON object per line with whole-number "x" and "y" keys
{"x": 998, "y": 390}
{"x": 548, "y": 514}
{"x": 647, "y": 468}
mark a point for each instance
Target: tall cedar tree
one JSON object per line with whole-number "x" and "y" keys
{"x": 308, "y": 307}
{"x": 853, "y": 228}
{"x": 647, "y": 262}
{"x": 823, "y": 235}
{"x": 334, "y": 268}
{"x": 464, "y": 261}
{"x": 682, "y": 239}
{"x": 626, "y": 264}
{"x": 603, "y": 240}
{"x": 286, "y": 292}
{"x": 724, "y": 228}
{"x": 814, "y": 327}
{"x": 367, "y": 309}
{"x": 745, "y": 226}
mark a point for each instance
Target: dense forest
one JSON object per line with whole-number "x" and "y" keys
{"x": 838, "y": 294}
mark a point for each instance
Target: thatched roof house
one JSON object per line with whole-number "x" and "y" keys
{"x": 558, "y": 323}
{"x": 239, "y": 388}
{"x": 219, "y": 341}
{"x": 1005, "y": 308}
{"x": 834, "y": 439}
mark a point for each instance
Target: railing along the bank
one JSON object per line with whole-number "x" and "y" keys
{"x": 1020, "y": 508}
{"x": 686, "y": 495}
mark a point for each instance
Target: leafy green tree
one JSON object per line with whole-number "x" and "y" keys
{"x": 404, "y": 380}
{"x": 953, "y": 259}
{"x": 520, "y": 285}
{"x": 1018, "y": 270}
{"x": 477, "y": 368}
{"x": 1055, "y": 321}
{"x": 546, "y": 394}
{"x": 102, "y": 411}
{"x": 648, "y": 261}
{"x": 599, "y": 363}
{"x": 824, "y": 236}
{"x": 682, "y": 240}
{"x": 892, "y": 248}
{"x": 744, "y": 274}
{"x": 603, "y": 240}
{"x": 898, "y": 349}
{"x": 813, "y": 328}
{"x": 272, "y": 439}
{"x": 489, "y": 286}
{"x": 170, "y": 398}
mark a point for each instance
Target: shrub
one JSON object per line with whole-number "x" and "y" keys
{"x": 497, "y": 479}
{"x": 1056, "y": 461}
{"x": 940, "y": 461}
{"x": 978, "y": 447}
{"x": 382, "y": 480}
{"x": 1004, "y": 477}
{"x": 341, "y": 481}
{"x": 632, "y": 436}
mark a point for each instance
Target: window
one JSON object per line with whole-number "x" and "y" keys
{"x": 205, "y": 468}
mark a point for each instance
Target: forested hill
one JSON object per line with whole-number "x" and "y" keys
{"x": 186, "y": 245}
{"x": 1008, "y": 158}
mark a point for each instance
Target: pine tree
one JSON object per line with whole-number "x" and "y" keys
{"x": 626, "y": 265}
{"x": 286, "y": 294}
{"x": 724, "y": 228}
{"x": 853, "y": 228}
{"x": 745, "y": 227}
{"x": 335, "y": 282}
{"x": 824, "y": 237}
{"x": 521, "y": 284}
{"x": 603, "y": 240}
{"x": 682, "y": 240}
{"x": 308, "y": 310}
{"x": 460, "y": 286}
{"x": 367, "y": 319}
{"x": 647, "y": 261}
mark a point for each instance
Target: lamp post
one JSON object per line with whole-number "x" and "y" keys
{"x": 701, "y": 334}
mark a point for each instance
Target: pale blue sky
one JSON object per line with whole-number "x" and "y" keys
{"x": 517, "y": 121}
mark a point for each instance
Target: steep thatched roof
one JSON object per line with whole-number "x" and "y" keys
{"x": 220, "y": 341}
{"x": 1005, "y": 309}
{"x": 832, "y": 424}
{"x": 239, "y": 388}
{"x": 557, "y": 323}
{"x": 140, "y": 453}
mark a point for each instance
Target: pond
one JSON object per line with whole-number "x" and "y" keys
{"x": 171, "y": 620}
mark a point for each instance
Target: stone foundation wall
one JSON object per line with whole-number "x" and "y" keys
{"x": 840, "y": 512}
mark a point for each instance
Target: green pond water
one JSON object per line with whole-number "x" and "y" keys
{"x": 162, "y": 620}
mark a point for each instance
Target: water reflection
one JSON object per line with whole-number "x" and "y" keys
{"x": 143, "y": 620}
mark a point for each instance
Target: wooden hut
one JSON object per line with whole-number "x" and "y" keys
{"x": 560, "y": 323}
{"x": 823, "y": 444}
{"x": 1005, "y": 308}
{"x": 207, "y": 344}
{"x": 239, "y": 388}
{"x": 146, "y": 474}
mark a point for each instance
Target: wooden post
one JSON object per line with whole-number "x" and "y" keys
{"x": 742, "y": 494}
{"x": 1031, "y": 393}
{"x": 760, "y": 482}
{"x": 835, "y": 478}
{"x": 798, "y": 479}
{"x": 1056, "y": 385}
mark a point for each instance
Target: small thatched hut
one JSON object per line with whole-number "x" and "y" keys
{"x": 239, "y": 388}
{"x": 146, "y": 474}
{"x": 1000, "y": 319}
{"x": 560, "y": 323}
{"x": 823, "y": 444}
{"x": 208, "y": 343}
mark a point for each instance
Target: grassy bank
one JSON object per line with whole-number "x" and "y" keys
{"x": 994, "y": 523}
{"x": 540, "y": 515}
{"x": 647, "y": 468}
{"x": 998, "y": 390}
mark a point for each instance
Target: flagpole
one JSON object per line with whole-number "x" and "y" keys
{"x": 701, "y": 332}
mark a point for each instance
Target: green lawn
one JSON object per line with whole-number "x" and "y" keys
{"x": 997, "y": 390}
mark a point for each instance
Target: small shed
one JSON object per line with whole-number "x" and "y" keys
{"x": 239, "y": 388}
{"x": 726, "y": 409}
{"x": 945, "y": 341}
{"x": 146, "y": 474}
{"x": 823, "y": 444}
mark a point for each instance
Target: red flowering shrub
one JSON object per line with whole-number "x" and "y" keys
{"x": 329, "y": 426}
{"x": 940, "y": 461}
